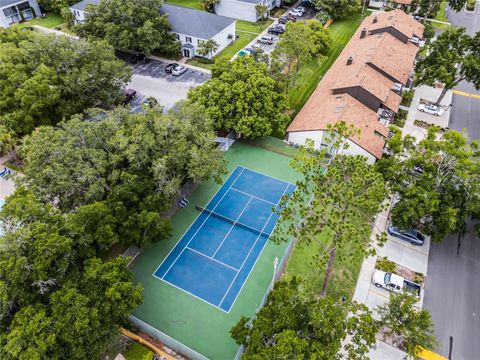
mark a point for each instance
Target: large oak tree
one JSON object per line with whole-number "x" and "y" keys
{"x": 130, "y": 24}
{"x": 44, "y": 79}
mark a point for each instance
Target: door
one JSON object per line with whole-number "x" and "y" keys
{"x": 186, "y": 53}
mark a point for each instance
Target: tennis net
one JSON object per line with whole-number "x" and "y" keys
{"x": 233, "y": 222}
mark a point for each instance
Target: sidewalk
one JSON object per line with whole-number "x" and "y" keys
{"x": 7, "y": 186}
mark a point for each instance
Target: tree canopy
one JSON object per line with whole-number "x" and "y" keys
{"x": 58, "y": 300}
{"x": 129, "y": 166}
{"x": 339, "y": 9}
{"x": 241, "y": 96}
{"x": 453, "y": 57}
{"x": 436, "y": 182}
{"x": 340, "y": 200}
{"x": 402, "y": 319}
{"x": 44, "y": 79}
{"x": 292, "y": 325}
{"x": 130, "y": 24}
{"x": 301, "y": 41}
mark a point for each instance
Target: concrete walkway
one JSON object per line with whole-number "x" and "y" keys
{"x": 7, "y": 186}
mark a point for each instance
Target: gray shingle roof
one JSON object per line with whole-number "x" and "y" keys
{"x": 197, "y": 23}
{"x": 83, "y": 4}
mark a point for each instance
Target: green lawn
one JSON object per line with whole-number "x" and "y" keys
{"x": 343, "y": 278}
{"x": 253, "y": 27}
{"x": 194, "y": 4}
{"x": 52, "y": 20}
{"x": 441, "y": 16}
{"x": 229, "y": 51}
{"x": 312, "y": 72}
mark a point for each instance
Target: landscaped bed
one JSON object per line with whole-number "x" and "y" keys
{"x": 228, "y": 52}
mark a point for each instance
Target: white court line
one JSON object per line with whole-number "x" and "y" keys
{"x": 258, "y": 255}
{"x": 253, "y": 196}
{"x": 211, "y": 258}
{"x": 230, "y": 230}
{"x": 173, "y": 248}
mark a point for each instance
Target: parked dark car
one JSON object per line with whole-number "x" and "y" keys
{"x": 130, "y": 94}
{"x": 169, "y": 68}
{"x": 413, "y": 236}
{"x": 275, "y": 30}
{"x": 283, "y": 19}
{"x": 139, "y": 58}
{"x": 291, "y": 17}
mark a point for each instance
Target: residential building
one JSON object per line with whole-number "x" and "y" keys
{"x": 244, "y": 9}
{"x": 14, "y": 11}
{"x": 363, "y": 87}
{"x": 191, "y": 26}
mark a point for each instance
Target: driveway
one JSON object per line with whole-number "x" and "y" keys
{"x": 452, "y": 294}
{"x": 151, "y": 80}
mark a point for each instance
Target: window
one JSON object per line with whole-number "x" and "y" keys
{"x": 199, "y": 41}
{"x": 188, "y": 39}
{"x": 178, "y": 36}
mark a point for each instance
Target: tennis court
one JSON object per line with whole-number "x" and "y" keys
{"x": 215, "y": 256}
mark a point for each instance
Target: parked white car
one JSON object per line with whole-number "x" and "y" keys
{"x": 394, "y": 282}
{"x": 178, "y": 70}
{"x": 430, "y": 109}
{"x": 300, "y": 9}
{"x": 296, "y": 13}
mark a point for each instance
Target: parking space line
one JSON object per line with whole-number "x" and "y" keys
{"x": 391, "y": 238}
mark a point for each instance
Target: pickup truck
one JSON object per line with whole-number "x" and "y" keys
{"x": 394, "y": 282}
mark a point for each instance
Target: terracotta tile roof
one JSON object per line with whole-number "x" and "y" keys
{"x": 403, "y": 2}
{"x": 324, "y": 108}
{"x": 399, "y": 20}
{"x": 394, "y": 57}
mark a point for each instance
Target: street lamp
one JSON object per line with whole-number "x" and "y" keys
{"x": 275, "y": 265}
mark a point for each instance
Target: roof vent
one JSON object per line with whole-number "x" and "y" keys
{"x": 349, "y": 60}
{"x": 375, "y": 19}
{"x": 363, "y": 33}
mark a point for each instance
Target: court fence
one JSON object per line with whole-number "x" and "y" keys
{"x": 167, "y": 340}
{"x": 275, "y": 145}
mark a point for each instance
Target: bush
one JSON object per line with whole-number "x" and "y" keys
{"x": 138, "y": 352}
{"x": 400, "y": 118}
{"x": 407, "y": 97}
{"x": 386, "y": 265}
{"x": 418, "y": 278}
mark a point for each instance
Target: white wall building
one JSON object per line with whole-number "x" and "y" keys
{"x": 244, "y": 9}
{"x": 14, "y": 11}
{"x": 191, "y": 26}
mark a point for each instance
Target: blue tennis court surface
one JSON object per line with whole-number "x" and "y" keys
{"x": 214, "y": 257}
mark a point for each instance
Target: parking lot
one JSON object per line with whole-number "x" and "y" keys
{"x": 150, "y": 79}
{"x": 309, "y": 14}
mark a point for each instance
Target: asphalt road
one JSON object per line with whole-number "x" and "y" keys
{"x": 452, "y": 294}
{"x": 465, "y": 114}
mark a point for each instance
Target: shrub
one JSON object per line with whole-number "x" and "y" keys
{"x": 138, "y": 352}
{"x": 407, "y": 97}
{"x": 418, "y": 278}
{"x": 386, "y": 265}
{"x": 400, "y": 118}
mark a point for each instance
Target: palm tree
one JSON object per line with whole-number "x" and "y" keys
{"x": 261, "y": 11}
{"x": 207, "y": 47}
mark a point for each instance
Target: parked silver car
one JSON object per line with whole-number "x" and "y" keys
{"x": 413, "y": 236}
